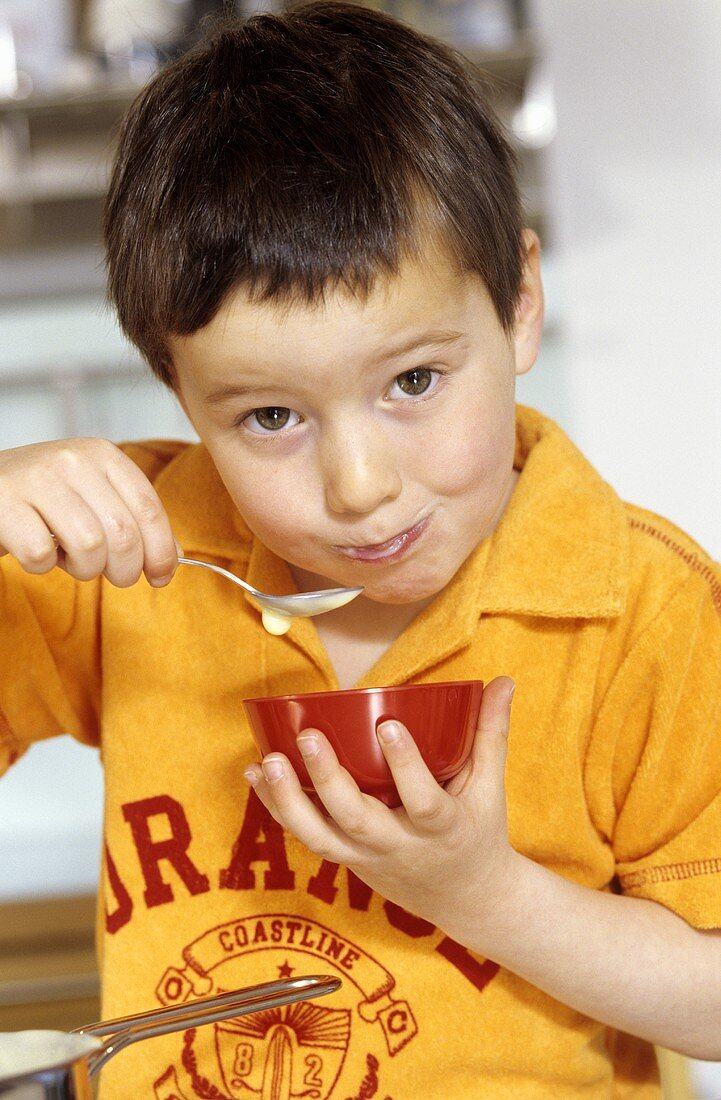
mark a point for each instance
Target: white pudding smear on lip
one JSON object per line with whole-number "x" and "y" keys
{"x": 31, "y": 1051}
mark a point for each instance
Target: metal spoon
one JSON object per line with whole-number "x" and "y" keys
{"x": 58, "y": 1065}
{"x": 279, "y": 610}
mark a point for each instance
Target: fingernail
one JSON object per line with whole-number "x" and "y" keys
{"x": 308, "y": 744}
{"x": 511, "y": 691}
{"x": 160, "y": 582}
{"x": 388, "y": 732}
{"x": 251, "y": 775}
{"x": 273, "y": 769}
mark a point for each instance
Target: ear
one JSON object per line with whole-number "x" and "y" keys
{"x": 529, "y": 312}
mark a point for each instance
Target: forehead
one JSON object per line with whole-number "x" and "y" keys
{"x": 428, "y": 293}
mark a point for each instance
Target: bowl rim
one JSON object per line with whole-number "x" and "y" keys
{"x": 362, "y": 691}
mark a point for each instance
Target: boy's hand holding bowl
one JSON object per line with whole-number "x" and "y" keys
{"x": 356, "y": 776}
{"x": 441, "y": 719}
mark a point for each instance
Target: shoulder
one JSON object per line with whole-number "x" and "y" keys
{"x": 153, "y": 456}
{"x": 667, "y": 564}
{"x": 204, "y": 518}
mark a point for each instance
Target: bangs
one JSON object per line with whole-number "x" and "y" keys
{"x": 293, "y": 154}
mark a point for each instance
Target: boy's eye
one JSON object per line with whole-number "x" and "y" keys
{"x": 414, "y": 382}
{"x": 272, "y": 418}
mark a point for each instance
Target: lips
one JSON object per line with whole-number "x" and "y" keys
{"x": 390, "y": 550}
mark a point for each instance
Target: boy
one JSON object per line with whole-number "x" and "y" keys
{"x": 315, "y": 238}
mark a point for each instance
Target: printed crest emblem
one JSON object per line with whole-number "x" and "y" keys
{"x": 293, "y": 1051}
{"x": 287, "y": 1053}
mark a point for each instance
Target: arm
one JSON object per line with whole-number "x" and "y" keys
{"x": 445, "y": 856}
{"x": 628, "y": 962}
{"x": 86, "y": 507}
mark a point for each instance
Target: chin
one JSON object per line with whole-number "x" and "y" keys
{"x": 403, "y": 592}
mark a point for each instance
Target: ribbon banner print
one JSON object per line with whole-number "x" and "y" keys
{"x": 276, "y": 931}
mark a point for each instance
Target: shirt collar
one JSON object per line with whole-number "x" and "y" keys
{"x": 561, "y": 548}
{"x": 208, "y": 525}
{"x": 559, "y": 551}
{"x": 205, "y": 520}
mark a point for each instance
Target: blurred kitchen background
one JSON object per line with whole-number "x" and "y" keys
{"x": 615, "y": 109}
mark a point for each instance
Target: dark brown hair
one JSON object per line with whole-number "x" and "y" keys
{"x": 289, "y": 153}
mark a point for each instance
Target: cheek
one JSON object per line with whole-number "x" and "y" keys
{"x": 276, "y": 509}
{"x": 470, "y": 449}
{"x": 475, "y": 459}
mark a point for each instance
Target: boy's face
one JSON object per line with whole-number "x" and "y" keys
{"x": 366, "y": 440}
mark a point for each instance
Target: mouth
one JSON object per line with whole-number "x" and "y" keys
{"x": 390, "y": 550}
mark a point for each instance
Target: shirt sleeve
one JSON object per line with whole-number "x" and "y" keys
{"x": 49, "y": 659}
{"x": 655, "y": 758}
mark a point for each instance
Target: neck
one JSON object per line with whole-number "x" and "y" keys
{"x": 356, "y": 636}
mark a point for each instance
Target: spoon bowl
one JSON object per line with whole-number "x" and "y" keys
{"x": 278, "y": 611}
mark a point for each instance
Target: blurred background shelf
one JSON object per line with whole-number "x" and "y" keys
{"x": 56, "y": 143}
{"x": 65, "y": 369}
{"x": 48, "y": 969}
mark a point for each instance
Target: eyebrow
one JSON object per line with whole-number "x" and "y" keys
{"x": 437, "y": 339}
{"x": 226, "y": 393}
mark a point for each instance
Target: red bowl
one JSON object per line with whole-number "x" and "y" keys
{"x": 441, "y": 718}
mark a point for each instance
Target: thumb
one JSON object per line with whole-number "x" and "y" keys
{"x": 490, "y": 747}
{"x": 486, "y": 765}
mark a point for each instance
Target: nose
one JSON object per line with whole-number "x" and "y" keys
{"x": 360, "y": 470}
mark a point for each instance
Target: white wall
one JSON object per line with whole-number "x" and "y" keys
{"x": 634, "y": 178}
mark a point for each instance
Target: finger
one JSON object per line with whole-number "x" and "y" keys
{"x": 428, "y": 806}
{"x": 125, "y": 553}
{"x": 254, "y": 775}
{"x": 71, "y": 524}
{"x": 355, "y": 813}
{"x": 490, "y": 747}
{"x": 91, "y": 524}
{"x": 277, "y": 787}
{"x": 78, "y": 533}
{"x": 28, "y": 538}
{"x": 160, "y": 549}
{"x": 136, "y": 526}
{"x": 97, "y": 531}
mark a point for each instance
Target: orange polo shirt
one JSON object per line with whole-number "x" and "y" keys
{"x": 609, "y": 620}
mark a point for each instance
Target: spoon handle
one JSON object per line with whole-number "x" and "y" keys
{"x": 218, "y": 569}
{"x": 162, "y": 1021}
